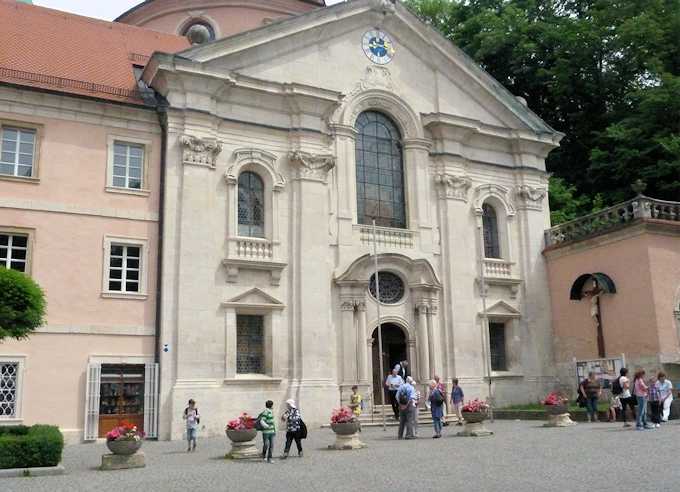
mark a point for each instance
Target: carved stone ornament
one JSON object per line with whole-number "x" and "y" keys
{"x": 199, "y": 151}
{"x": 501, "y": 193}
{"x": 262, "y": 158}
{"x": 531, "y": 198}
{"x": 452, "y": 186}
{"x": 312, "y": 166}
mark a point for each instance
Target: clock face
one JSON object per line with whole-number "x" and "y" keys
{"x": 378, "y": 47}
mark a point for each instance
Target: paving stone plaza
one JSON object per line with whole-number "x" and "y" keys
{"x": 520, "y": 456}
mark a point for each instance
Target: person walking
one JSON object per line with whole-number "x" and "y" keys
{"x": 442, "y": 389}
{"x": 402, "y": 369}
{"x": 593, "y": 391}
{"x": 436, "y": 401}
{"x": 192, "y": 418}
{"x": 626, "y": 398}
{"x": 416, "y": 404}
{"x": 393, "y": 382}
{"x": 268, "y": 423}
{"x": 405, "y": 397}
{"x": 654, "y": 403}
{"x": 641, "y": 392}
{"x": 294, "y": 425}
{"x": 457, "y": 400}
{"x": 666, "y": 395}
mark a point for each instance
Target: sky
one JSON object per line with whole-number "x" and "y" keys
{"x": 101, "y": 9}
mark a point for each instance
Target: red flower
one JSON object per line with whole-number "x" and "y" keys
{"x": 476, "y": 406}
{"x": 342, "y": 415}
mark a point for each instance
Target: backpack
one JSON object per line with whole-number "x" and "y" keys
{"x": 260, "y": 424}
{"x": 616, "y": 387}
{"x": 402, "y": 398}
{"x": 436, "y": 397}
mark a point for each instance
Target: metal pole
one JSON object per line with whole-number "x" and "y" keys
{"x": 486, "y": 344}
{"x": 380, "y": 344}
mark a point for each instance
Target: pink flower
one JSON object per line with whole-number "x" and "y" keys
{"x": 554, "y": 398}
{"x": 342, "y": 415}
{"x": 476, "y": 406}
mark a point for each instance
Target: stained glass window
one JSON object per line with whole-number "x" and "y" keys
{"x": 249, "y": 344}
{"x": 9, "y": 375}
{"x": 380, "y": 171}
{"x": 492, "y": 247}
{"x": 391, "y": 287}
{"x": 250, "y": 205}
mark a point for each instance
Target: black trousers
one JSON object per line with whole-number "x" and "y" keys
{"x": 628, "y": 402}
{"x": 655, "y": 406}
{"x": 290, "y": 436}
{"x": 393, "y": 402}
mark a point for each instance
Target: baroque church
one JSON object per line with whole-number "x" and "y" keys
{"x": 287, "y": 129}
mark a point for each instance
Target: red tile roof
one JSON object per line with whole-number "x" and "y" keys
{"x": 55, "y": 50}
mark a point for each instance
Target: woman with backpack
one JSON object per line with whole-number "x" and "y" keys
{"x": 436, "y": 400}
{"x": 295, "y": 428}
{"x": 626, "y": 397}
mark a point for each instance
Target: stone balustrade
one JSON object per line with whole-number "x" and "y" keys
{"x": 387, "y": 237}
{"x": 253, "y": 248}
{"x": 615, "y": 217}
{"x": 497, "y": 268}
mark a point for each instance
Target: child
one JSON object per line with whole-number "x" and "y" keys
{"x": 268, "y": 432}
{"x": 355, "y": 401}
{"x": 457, "y": 399}
{"x": 193, "y": 419}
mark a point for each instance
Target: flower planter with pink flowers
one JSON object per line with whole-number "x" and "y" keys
{"x": 241, "y": 432}
{"x": 474, "y": 413}
{"x": 346, "y": 427}
{"x": 555, "y": 405}
{"x": 124, "y": 442}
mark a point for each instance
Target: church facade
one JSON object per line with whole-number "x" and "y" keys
{"x": 236, "y": 159}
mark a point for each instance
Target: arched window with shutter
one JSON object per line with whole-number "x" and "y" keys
{"x": 380, "y": 171}
{"x": 492, "y": 248}
{"x": 250, "y": 205}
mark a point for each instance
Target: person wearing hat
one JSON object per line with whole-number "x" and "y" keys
{"x": 192, "y": 420}
{"x": 294, "y": 426}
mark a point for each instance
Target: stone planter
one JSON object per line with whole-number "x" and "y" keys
{"x": 347, "y": 436}
{"x": 124, "y": 447}
{"x": 474, "y": 425}
{"x": 558, "y": 416}
{"x": 242, "y": 445}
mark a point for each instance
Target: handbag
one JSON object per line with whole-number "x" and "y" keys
{"x": 303, "y": 430}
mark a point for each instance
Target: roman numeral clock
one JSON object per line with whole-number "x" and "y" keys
{"x": 378, "y": 47}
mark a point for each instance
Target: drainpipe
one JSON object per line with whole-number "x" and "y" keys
{"x": 161, "y": 108}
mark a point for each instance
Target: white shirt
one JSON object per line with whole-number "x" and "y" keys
{"x": 394, "y": 382}
{"x": 626, "y": 391}
{"x": 665, "y": 389}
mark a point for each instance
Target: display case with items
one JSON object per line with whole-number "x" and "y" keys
{"x": 121, "y": 396}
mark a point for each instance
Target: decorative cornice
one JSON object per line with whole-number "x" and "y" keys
{"x": 530, "y": 198}
{"x": 499, "y": 192}
{"x": 263, "y": 158}
{"x": 453, "y": 186}
{"x": 313, "y": 167}
{"x": 200, "y": 151}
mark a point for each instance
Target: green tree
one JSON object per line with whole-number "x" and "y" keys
{"x": 22, "y": 305}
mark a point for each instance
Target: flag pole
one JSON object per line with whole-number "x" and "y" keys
{"x": 380, "y": 344}
{"x": 486, "y": 347}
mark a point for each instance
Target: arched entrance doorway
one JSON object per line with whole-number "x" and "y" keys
{"x": 394, "y": 351}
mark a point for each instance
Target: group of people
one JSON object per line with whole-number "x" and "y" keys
{"x": 636, "y": 395}
{"x": 296, "y": 430}
{"x": 405, "y": 400}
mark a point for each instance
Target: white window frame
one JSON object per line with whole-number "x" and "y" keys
{"x": 21, "y": 361}
{"x": 143, "y": 270}
{"x": 15, "y": 231}
{"x": 146, "y": 144}
{"x": 37, "y": 130}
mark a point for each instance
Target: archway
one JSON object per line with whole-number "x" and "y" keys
{"x": 394, "y": 351}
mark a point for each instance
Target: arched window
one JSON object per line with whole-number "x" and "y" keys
{"x": 250, "y": 205}
{"x": 492, "y": 248}
{"x": 380, "y": 171}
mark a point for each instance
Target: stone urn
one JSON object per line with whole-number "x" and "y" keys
{"x": 347, "y": 436}
{"x": 474, "y": 425}
{"x": 242, "y": 445}
{"x": 124, "y": 447}
{"x": 558, "y": 416}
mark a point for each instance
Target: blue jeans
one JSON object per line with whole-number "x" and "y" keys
{"x": 267, "y": 445}
{"x": 642, "y": 412}
{"x": 437, "y": 423}
{"x": 191, "y": 436}
{"x": 591, "y": 406}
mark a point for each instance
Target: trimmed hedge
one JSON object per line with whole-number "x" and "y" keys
{"x": 29, "y": 447}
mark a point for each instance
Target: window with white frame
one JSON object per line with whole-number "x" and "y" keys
{"x": 128, "y": 165}
{"x": 17, "y": 147}
{"x": 9, "y": 389}
{"x": 14, "y": 251}
{"x": 125, "y": 268}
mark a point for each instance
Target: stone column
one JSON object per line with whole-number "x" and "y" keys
{"x": 362, "y": 349}
{"x": 434, "y": 340}
{"x": 345, "y": 144}
{"x": 423, "y": 343}
{"x": 416, "y": 167}
{"x": 411, "y": 347}
{"x": 230, "y": 343}
{"x": 349, "y": 342}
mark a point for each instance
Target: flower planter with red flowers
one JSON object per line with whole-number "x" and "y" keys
{"x": 475, "y": 412}
{"x": 241, "y": 432}
{"x": 124, "y": 439}
{"x": 555, "y": 405}
{"x": 346, "y": 427}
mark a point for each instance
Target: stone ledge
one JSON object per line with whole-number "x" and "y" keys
{"x": 42, "y": 471}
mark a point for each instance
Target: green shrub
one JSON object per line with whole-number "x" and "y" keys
{"x": 22, "y": 304}
{"x": 28, "y": 447}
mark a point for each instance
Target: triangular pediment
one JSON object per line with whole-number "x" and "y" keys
{"x": 322, "y": 48}
{"x": 503, "y": 310}
{"x": 254, "y": 298}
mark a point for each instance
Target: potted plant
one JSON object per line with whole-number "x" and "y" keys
{"x": 125, "y": 439}
{"x": 475, "y": 411}
{"x": 556, "y": 408}
{"x": 241, "y": 429}
{"x": 346, "y": 426}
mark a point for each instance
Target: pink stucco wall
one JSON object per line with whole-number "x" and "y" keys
{"x": 638, "y": 319}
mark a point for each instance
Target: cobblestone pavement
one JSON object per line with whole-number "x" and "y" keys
{"x": 521, "y": 456}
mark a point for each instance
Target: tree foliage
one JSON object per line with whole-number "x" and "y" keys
{"x": 604, "y": 72}
{"x": 22, "y": 305}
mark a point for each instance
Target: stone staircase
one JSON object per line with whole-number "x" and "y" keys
{"x": 373, "y": 417}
